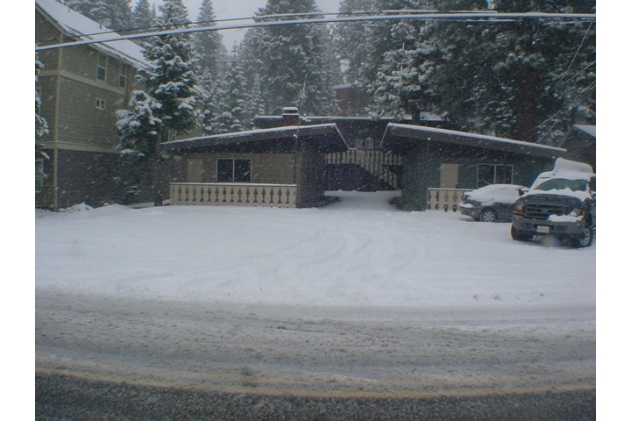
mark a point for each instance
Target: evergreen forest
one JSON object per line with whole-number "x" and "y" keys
{"x": 528, "y": 79}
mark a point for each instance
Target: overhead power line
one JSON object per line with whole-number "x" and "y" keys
{"x": 281, "y": 20}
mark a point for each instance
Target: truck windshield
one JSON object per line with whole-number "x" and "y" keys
{"x": 562, "y": 184}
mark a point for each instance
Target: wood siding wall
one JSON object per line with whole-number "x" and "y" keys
{"x": 266, "y": 168}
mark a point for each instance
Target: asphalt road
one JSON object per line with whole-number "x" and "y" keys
{"x": 110, "y": 357}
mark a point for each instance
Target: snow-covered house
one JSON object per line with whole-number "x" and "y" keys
{"x": 280, "y": 166}
{"x": 81, "y": 88}
{"x": 438, "y": 165}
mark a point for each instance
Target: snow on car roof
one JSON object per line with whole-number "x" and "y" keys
{"x": 495, "y": 193}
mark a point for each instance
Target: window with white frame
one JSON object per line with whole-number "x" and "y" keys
{"x": 122, "y": 75}
{"x": 101, "y": 66}
{"x": 100, "y": 104}
{"x": 494, "y": 174}
{"x": 233, "y": 170}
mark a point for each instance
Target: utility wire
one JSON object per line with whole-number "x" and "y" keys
{"x": 337, "y": 19}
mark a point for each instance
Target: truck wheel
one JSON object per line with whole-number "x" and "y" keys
{"x": 488, "y": 215}
{"x": 584, "y": 239}
{"x": 519, "y": 235}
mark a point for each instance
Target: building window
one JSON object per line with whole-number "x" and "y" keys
{"x": 100, "y": 104}
{"x": 233, "y": 170}
{"x": 494, "y": 174}
{"x": 122, "y": 75}
{"x": 101, "y": 66}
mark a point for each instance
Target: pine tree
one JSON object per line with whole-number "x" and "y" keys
{"x": 294, "y": 61}
{"x": 254, "y": 103}
{"x": 353, "y": 39}
{"x": 231, "y": 99}
{"x": 167, "y": 105}
{"x": 383, "y": 66}
{"x": 41, "y": 125}
{"x": 208, "y": 87}
{"x": 112, "y": 14}
{"x": 525, "y": 80}
{"x": 207, "y": 44}
{"x": 144, "y": 16}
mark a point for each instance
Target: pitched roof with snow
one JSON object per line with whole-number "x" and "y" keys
{"x": 397, "y": 135}
{"x": 74, "y": 24}
{"x": 327, "y": 136}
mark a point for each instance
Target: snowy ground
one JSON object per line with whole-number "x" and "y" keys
{"x": 353, "y": 298}
{"x": 357, "y": 252}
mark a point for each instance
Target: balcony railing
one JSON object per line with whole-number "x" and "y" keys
{"x": 234, "y": 194}
{"x": 444, "y": 199}
{"x": 375, "y": 162}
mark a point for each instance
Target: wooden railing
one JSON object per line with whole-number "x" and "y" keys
{"x": 373, "y": 161}
{"x": 234, "y": 194}
{"x": 444, "y": 199}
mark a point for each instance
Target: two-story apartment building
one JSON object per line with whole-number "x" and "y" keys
{"x": 81, "y": 88}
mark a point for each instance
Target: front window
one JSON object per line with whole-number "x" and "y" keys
{"x": 101, "y": 66}
{"x": 494, "y": 174}
{"x": 233, "y": 170}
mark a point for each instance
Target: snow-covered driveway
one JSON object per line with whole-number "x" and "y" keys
{"x": 359, "y": 251}
{"x": 353, "y": 296}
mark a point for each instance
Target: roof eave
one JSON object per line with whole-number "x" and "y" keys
{"x": 397, "y": 136}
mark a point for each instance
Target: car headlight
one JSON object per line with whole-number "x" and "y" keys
{"x": 518, "y": 208}
{"x": 578, "y": 212}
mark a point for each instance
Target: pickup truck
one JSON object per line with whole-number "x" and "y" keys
{"x": 561, "y": 202}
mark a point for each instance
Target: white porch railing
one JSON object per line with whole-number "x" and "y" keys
{"x": 234, "y": 194}
{"x": 444, "y": 199}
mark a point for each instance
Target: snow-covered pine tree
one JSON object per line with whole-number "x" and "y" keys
{"x": 231, "y": 98}
{"x": 385, "y": 63}
{"x": 254, "y": 103}
{"x": 295, "y": 61}
{"x": 143, "y": 16}
{"x": 167, "y": 105}
{"x": 41, "y": 125}
{"x": 112, "y": 14}
{"x": 401, "y": 88}
{"x": 207, "y": 44}
{"x": 353, "y": 39}
{"x": 171, "y": 77}
{"x": 525, "y": 80}
{"x": 41, "y": 129}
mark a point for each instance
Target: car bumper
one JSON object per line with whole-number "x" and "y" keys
{"x": 545, "y": 227}
{"x": 470, "y": 211}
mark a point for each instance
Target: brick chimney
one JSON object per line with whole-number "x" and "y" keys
{"x": 290, "y": 117}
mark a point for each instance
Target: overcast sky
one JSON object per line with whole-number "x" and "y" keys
{"x": 225, "y": 9}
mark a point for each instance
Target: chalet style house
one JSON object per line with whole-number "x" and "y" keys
{"x": 292, "y": 160}
{"x": 81, "y": 88}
